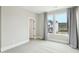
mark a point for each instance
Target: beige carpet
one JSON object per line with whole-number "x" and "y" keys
{"x": 41, "y": 46}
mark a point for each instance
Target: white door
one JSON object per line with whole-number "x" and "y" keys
{"x": 32, "y": 29}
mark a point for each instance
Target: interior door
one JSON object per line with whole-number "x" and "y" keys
{"x": 32, "y": 29}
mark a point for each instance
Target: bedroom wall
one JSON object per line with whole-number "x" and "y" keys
{"x": 15, "y": 26}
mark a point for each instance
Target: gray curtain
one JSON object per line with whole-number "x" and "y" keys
{"x": 45, "y": 26}
{"x": 72, "y": 22}
{"x": 0, "y": 28}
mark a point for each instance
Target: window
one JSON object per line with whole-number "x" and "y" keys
{"x": 50, "y": 23}
{"x": 57, "y": 26}
{"x": 57, "y": 22}
{"x": 61, "y": 19}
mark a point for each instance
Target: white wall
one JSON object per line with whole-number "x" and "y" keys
{"x": 40, "y": 26}
{"x": 15, "y": 26}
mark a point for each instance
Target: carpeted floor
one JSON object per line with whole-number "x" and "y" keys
{"x": 42, "y": 46}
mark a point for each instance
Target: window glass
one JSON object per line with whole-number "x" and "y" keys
{"x": 61, "y": 19}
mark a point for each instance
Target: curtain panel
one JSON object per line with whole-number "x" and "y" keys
{"x": 45, "y": 27}
{"x": 72, "y": 27}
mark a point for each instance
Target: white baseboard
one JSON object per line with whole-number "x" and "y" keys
{"x": 12, "y": 46}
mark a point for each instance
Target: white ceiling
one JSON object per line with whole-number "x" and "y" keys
{"x": 41, "y": 9}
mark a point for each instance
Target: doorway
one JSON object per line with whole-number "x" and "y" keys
{"x": 32, "y": 28}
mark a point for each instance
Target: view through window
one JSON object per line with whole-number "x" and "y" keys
{"x": 57, "y": 23}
